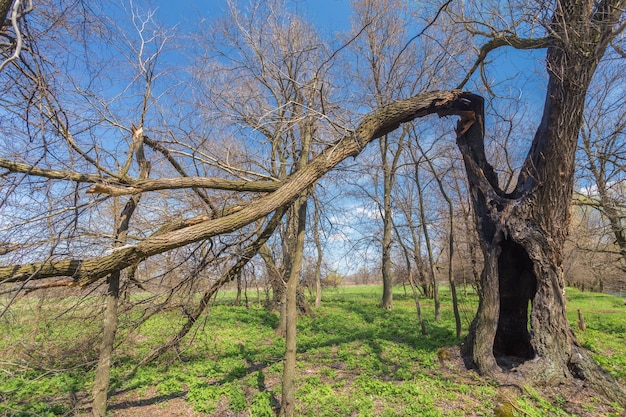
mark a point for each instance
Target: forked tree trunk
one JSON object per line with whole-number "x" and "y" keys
{"x": 522, "y": 233}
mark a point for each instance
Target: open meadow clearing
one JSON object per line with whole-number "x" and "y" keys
{"x": 354, "y": 359}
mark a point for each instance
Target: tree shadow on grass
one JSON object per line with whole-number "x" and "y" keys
{"x": 143, "y": 402}
{"x": 387, "y": 345}
{"x": 351, "y": 335}
{"x": 391, "y": 326}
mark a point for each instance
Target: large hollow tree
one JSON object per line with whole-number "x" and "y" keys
{"x": 522, "y": 232}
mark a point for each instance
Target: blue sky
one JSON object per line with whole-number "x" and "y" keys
{"x": 328, "y": 14}
{"x": 334, "y": 16}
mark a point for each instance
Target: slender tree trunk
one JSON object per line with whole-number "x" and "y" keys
{"x": 109, "y": 331}
{"x": 444, "y": 194}
{"x": 387, "y": 298}
{"x": 431, "y": 260}
{"x": 320, "y": 254}
{"x": 418, "y": 308}
{"x": 417, "y": 257}
{"x": 277, "y": 285}
{"x": 245, "y": 293}
{"x": 416, "y": 296}
{"x": 318, "y": 282}
{"x": 103, "y": 370}
{"x": 287, "y": 407}
{"x": 608, "y": 205}
{"x": 238, "y": 296}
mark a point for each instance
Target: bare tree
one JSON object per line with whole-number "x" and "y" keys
{"x": 146, "y": 70}
{"x": 450, "y": 238}
{"x": 604, "y": 151}
{"x": 386, "y": 55}
{"x": 102, "y": 377}
{"x": 427, "y": 239}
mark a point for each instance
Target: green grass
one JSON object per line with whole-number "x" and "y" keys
{"x": 605, "y": 317}
{"x": 353, "y": 358}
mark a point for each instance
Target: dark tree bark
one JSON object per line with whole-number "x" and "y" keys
{"x": 5, "y": 7}
{"x": 522, "y": 233}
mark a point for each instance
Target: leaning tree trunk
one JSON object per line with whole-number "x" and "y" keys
{"x": 522, "y": 233}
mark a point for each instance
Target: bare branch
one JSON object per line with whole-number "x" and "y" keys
{"x": 54, "y": 174}
{"x": 16, "y": 12}
{"x": 497, "y": 42}
{"x": 115, "y": 187}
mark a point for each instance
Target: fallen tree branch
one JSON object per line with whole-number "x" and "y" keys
{"x": 373, "y": 126}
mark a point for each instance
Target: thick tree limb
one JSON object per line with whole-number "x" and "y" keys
{"x": 138, "y": 186}
{"x": 25, "y": 289}
{"x": 373, "y": 126}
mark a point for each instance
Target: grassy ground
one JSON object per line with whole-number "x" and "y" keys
{"x": 354, "y": 360}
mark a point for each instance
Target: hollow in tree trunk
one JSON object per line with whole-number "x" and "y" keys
{"x": 522, "y": 232}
